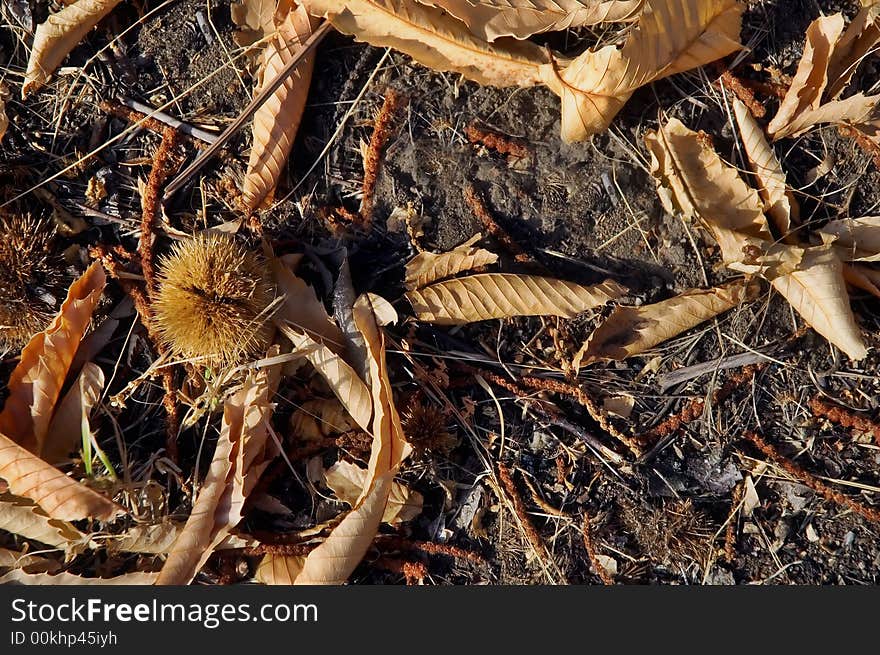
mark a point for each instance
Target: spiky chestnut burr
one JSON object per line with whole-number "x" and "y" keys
{"x": 32, "y": 279}
{"x": 214, "y": 301}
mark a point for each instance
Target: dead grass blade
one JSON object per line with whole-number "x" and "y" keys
{"x": 672, "y": 36}
{"x": 434, "y": 38}
{"x": 779, "y": 201}
{"x": 60, "y": 34}
{"x": 492, "y": 19}
{"x": 427, "y": 267}
{"x": 69, "y": 579}
{"x": 276, "y": 122}
{"x": 70, "y": 424}
{"x": 36, "y": 382}
{"x": 22, "y": 517}
{"x": 629, "y": 331}
{"x": 218, "y": 506}
{"x": 503, "y": 295}
{"x": 60, "y": 497}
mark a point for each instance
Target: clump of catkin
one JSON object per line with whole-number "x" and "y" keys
{"x": 215, "y": 300}
{"x": 32, "y": 279}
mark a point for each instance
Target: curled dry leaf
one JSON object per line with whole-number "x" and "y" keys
{"x": 672, "y": 36}
{"x": 630, "y": 331}
{"x": 70, "y": 424}
{"x": 276, "y": 122}
{"x": 491, "y": 19}
{"x": 60, "y": 34}
{"x": 779, "y": 201}
{"x": 230, "y": 479}
{"x": 434, "y": 38}
{"x": 10, "y": 559}
{"x": 36, "y": 382}
{"x": 347, "y": 482}
{"x": 335, "y": 559}
{"x": 830, "y": 55}
{"x": 279, "y": 569}
{"x": 255, "y": 19}
{"x": 857, "y": 42}
{"x": 857, "y": 239}
{"x": 60, "y": 497}
{"x": 427, "y": 267}
{"x": 340, "y": 377}
{"x": 68, "y": 579}
{"x": 504, "y": 295}
{"x": 318, "y": 419}
{"x": 694, "y": 180}
{"x": 817, "y": 291}
{"x": 22, "y": 517}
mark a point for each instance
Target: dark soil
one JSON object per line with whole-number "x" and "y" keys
{"x": 582, "y": 212}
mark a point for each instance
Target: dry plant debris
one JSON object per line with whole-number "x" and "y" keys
{"x": 384, "y": 405}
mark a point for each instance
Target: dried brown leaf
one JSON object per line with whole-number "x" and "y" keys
{"x": 672, "y": 36}
{"x": 503, "y": 295}
{"x": 335, "y": 559}
{"x": 347, "y": 482}
{"x": 427, "y": 267}
{"x": 491, "y": 19}
{"x": 60, "y": 497}
{"x": 817, "y": 291}
{"x": 340, "y": 377}
{"x": 230, "y": 478}
{"x": 276, "y": 122}
{"x": 857, "y": 239}
{"x": 22, "y": 517}
{"x": 279, "y": 569}
{"x": 23, "y": 578}
{"x": 10, "y": 559}
{"x": 779, "y": 202}
{"x": 319, "y": 418}
{"x": 435, "y": 39}
{"x": 4, "y": 119}
{"x": 36, "y": 382}
{"x": 630, "y": 331}
{"x": 857, "y": 42}
{"x": 70, "y": 422}
{"x": 60, "y": 34}
{"x": 255, "y": 19}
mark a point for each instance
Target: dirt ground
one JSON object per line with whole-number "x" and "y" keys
{"x": 582, "y": 212}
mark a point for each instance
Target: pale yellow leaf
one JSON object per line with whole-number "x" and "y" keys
{"x": 630, "y": 331}
{"x": 347, "y": 482}
{"x": 59, "y": 496}
{"x": 427, "y": 267}
{"x": 10, "y": 559}
{"x": 856, "y": 109}
{"x": 334, "y": 560}
{"x": 435, "y": 39}
{"x": 779, "y": 202}
{"x": 36, "y": 382}
{"x": 503, "y": 295}
{"x": 68, "y": 579}
{"x": 701, "y": 185}
{"x": 277, "y": 120}
{"x": 254, "y": 18}
{"x": 672, "y": 36}
{"x": 316, "y": 419}
{"x": 70, "y": 422}
{"x": 858, "y": 41}
{"x": 491, "y": 19}
{"x": 857, "y": 239}
{"x": 279, "y": 569}
{"x": 301, "y": 309}
{"x": 20, "y": 516}
{"x": 818, "y": 293}
{"x": 60, "y": 34}
{"x": 217, "y": 508}
{"x": 340, "y": 377}
{"x": 808, "y": 84}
